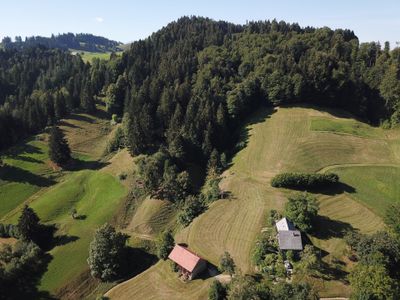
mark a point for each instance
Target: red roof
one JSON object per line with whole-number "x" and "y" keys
{"x": 184, "y": 257}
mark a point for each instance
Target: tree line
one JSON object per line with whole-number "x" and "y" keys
{"x": 65, "y": 41}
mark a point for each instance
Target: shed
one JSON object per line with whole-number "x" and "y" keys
{"x": 190, "y": 264}
{"x": 290, "y": 240}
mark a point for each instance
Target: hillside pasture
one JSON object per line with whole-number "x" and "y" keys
{"x": 151, "y": 217}
{"x": 345, "y": 126}
{"x": 377, "y": 186}
{"x": 26, "y": 171}
{"x": 276, "y": 141}
{"x": 95, "y": 193}
{"x": 159, "y": 282}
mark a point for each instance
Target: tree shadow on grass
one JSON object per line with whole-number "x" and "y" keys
{"x": 242, "y": 135}
{"x": 26, "y": 287}
{"x": 14, "y": 174}
{"x": 28, "y": 159}
{"x": 67, "y": 124}
{"x": 326, "y": 228}
{"x": 335, "y": 189}
{"x": 78, "y": 164}
{"x": 81, "y": 118}
{"x": 61, "y": 240}
{"x": 137, "y": 261}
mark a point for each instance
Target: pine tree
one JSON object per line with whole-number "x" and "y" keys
{"x": 87, "y": 99}
{"x": 59, "y": 151}
{"x": 28, "y": 224}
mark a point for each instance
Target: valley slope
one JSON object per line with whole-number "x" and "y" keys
{"x": 276, "y": 141}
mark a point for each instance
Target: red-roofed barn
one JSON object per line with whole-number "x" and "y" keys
{"x": 190, "y": 265}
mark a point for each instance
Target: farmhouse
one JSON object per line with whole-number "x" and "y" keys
{"x": 289, "y": 238}
{"x": 190, "y": 265}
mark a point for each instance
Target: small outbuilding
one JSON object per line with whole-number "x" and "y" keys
{"x": 289, "y": 238}
{"x": 190, "y": 264}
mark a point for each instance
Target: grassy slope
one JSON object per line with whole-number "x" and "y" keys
{"x": 89, "y": 56}
{"x": 376, "y": 186}
{"x": 150, "y": 218}
{"x": 288, "y": 140}
{"x": 95, "y": 194}
{"x": 276, "y": 142}
{"x": 25, "y": 175}
{"x": 159, "y": 282}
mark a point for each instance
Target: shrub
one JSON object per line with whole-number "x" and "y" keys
{"x": 165, "y": 244}
{"x": 116, "y": 142}
{"x": 8, "y": 230}
{"x": 217, "y": 291}
{"x": 304, "y": 180}
{"x": 227, "y": 264}
{"x": 194, "y": 206}
{"x": 122, "y": 176}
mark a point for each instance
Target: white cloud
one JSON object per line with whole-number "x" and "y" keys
{"x": 99, "y": 19}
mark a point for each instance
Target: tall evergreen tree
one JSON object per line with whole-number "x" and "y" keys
{"x": 28, "y": 224}
{"x": 59, "y": 151}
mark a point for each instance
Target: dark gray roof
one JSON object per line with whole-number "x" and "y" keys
{"x": 290, "y": 240}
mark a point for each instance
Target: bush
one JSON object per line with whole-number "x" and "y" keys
{"x": 165, "y": 244}
{"x": 116, "y": 142}
{"x": 304, "y": 180}
{"x": 217, "y": 291}
{"x": 194, "y": 206}
{"x": 227, "y": 264}
{"x": 122, "y": 176}
{"x": 8, "y": 230}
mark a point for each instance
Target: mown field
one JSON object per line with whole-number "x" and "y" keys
{"x": 376, "y": 186}
{"x": 287, "y": 139}
{"x": 91, "y": 186}
{"x": 89, "y": 56}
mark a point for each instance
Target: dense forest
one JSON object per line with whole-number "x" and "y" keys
{"x": 187, "y": 86}
{"x": 81, "y": 41}
{"x": 184, "y": 89}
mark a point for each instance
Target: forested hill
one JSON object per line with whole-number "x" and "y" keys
{"x": 186, "y": 87}
{"x": 80, "y": 41}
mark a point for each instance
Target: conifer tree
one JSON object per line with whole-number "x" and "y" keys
{"x": 59, "y": 151}
{"x": 28, "y": 224}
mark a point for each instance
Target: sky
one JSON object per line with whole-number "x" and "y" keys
{"x": 127, "y": 21}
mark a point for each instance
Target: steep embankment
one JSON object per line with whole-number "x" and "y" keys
{"x": 287, "y": 139}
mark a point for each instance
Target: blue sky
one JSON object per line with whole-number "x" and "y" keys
{"x": 126, "y": 21}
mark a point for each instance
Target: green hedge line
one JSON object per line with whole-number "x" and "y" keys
{"x": 304, "y": 180}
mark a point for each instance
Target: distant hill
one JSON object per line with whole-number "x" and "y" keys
{"x": 80, "y": 41}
